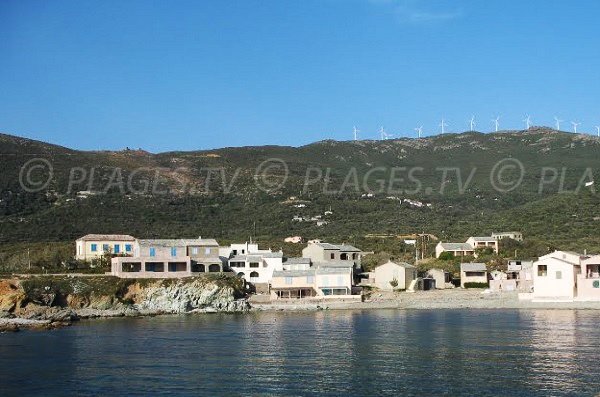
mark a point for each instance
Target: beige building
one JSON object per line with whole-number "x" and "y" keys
{"x": 588, "y": 280}
{"x": 168, "y": 258}
{"x": 467, "y": 248}
{"x": 518, "y": 236}
{"x": 443, "y": 278}
{"x": 401, "y": 273}
{"x": 483, "y": 242}
{"x": 325, "y": 252}
{"x": 93, "y": 246}
{"x": 457, "y": 249}
{"x": 473, "y": 273}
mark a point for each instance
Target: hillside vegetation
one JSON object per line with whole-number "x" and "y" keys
{"x": 219, "y": 193}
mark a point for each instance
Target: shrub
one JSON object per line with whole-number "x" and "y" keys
{"x": 446, "y": 256}
{"x": 476, "y": 285}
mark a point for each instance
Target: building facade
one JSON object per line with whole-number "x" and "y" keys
{"x": 473, "y": 273}
{"x": 94, "y": 246}
{"x": 402, "y": 274}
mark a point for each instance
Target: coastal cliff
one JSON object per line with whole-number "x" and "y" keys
{"x": 49, "y": 301}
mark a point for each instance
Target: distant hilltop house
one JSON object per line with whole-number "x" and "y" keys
{"x": 94, "y": 246}
{"x": 293, "y": 239}
{"x": 565, "y": 276}
{"x": 518, "y": 236}
{"x": 468, "y": 247}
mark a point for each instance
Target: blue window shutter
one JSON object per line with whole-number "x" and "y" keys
{"x": 173, "y": 251}
{"x": 94, "y": 247}
{"x": 117, "y": 248}
{"x": 152, "y": 251}
{"x": 127, "y": 247}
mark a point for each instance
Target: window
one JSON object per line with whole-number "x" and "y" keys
{"x": 289, "y": 280}
{"x": 128, "y": 247}
{"x": 173, "y": 251}
{"x": 206, "y": 251}
{"x": 117, "y": 248}
{"x": 194, "y": 250}
{"x": 559, "y": 275}
{"x": 542, "y": 270}
{"x": 254, "y": 264}
{"x": 94, "y": 247}
{"x": 105, "y": 248}
{"x": 332, "y": 256}
{"x": 344, "y": 256}
{"x": 234, "y": 252}
{"x": 152, "y": 251}
{"x": 310, "y": 279}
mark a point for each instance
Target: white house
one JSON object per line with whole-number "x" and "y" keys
{"x": 518, "y": 236}
{"x": 401, "y": 273}
{"x": 256, "y": 268}
{"x": 555, "y": 276}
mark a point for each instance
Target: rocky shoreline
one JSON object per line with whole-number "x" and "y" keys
{"x": 46, "y": 302}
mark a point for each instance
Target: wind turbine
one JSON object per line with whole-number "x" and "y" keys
{"x": 384, "y": 135}
{"x": 575, "y": 124}
{"x": 527, "y": 121}
{"x": 356, "y": 131}
{"x": 496, "y": 121}
{"x": 443, "y": 124}
{"x": 558, "y": 121}
{"x": 472, "y": 122}
{"x": 598, "y": 129}
{"x": 419, "y": 131}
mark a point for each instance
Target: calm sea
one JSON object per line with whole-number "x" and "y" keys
{"x": 328, "y": 353}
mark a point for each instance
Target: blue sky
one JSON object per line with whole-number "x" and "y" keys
{"x": 184, "y": 75}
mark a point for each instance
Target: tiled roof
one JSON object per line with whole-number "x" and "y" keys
{"x": 106, "y": 237}
{"x": 401, "y": 264}
{"x": 335, "y": 264}
{"x": 483, "y": 238}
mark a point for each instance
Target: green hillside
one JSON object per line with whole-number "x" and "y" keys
{"x": 190, "y": 197}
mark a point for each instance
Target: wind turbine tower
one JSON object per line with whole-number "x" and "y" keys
{"x": 382, "y": 132}
{"x": 575, "y": 124}
{"x": 527, "y": 121}
{"x": 356, "y": 131}
{"x": 598, "y": 129}
{"x": 443, "y": 124}
{"x": 496, "y": 122}
{"x": 472, "y": 123}
{"x": 558, "y": 121}
{"x": 419, "y": 131}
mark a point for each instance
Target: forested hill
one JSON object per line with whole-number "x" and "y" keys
{"x": 451, "y": 186}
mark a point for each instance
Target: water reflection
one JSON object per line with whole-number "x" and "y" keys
{"x": 383, "y": 352}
